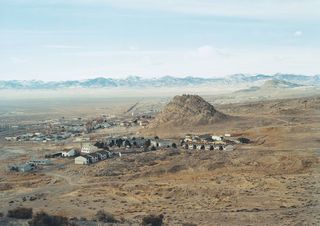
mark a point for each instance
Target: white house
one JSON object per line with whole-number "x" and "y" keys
{"x": 88, "y": 148}
{"x": 82, "y": 160}
{"x": 161, "y": 143}
{"x": 218, "y": 138}
{"x": 70, "y": 153}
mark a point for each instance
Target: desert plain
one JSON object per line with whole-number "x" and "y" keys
{"x": 273, "y": 180}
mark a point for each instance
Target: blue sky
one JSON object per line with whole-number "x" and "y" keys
{"x": 79, "y": 39}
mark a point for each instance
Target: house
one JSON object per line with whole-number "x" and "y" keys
{"x": 94, "y": 157}
{"x": 154, "y": 143}
{"x": 70, "y": 153}
{"x": 206, "y": 138}
{"x": 200, "y": 147}
{"x": 25, "y": 168}
{"x": 244, "y": 140}
{"x": 102, "y": 145}
{"x": 165, "y": 143}
{"x": 196, "y": 139}
{"x": 88, "y": 148}
{"x": 217, "y": 138}
{"x": 82, "y": 160}
{"x": 228, "y": 148}
{"x": 220, "y": 142}
{"x": 161, "y": 143}
{"x": 209, "y": 147}
{"x": 40, "y": 162}
{"x": 21, "y": 168}
{"x": 138, "y": 142}
{"x": 10, "y": 138}
{"x": 143, "y": 123}
{"x": 53, "y": 155}
{"x": 188, "y": 138}
{"x": 103, "y": 154}
{"x": 126, "y": 143}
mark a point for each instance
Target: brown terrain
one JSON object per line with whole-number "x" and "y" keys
{"x": 186, "y": 111}
{"x": 274, "y": 180}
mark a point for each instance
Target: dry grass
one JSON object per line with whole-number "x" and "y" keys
{"x": 273, "y": 181}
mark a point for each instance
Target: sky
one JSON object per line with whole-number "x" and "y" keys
{"x": 80, "y": 39}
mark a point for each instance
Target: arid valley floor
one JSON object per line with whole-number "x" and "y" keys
{"x": 274, "y": 180}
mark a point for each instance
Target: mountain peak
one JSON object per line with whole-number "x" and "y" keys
{"x": 166, "y": 81}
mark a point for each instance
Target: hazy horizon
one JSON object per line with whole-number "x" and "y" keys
{"x": 158, "y": 77}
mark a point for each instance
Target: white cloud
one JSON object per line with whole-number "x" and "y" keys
{"x": 18, "y": 60}
{"x": 298, "y": 33}
{"x": 210, "y": 62}
{"x": 62, "y": 47}
{"x": 205, "y": 51}
{"x": 267, "y": 9}
{"x": 134, "y": 48}
{"x": 205, "y": 60}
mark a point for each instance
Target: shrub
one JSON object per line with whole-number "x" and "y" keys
{"x": 20, "y": 213}
{"x": 152, "y": 220}
{"x": 105, "y": 217}
{"x": 44, "y": 219}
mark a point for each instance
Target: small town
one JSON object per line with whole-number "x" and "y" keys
{"x": 113, "y": 147}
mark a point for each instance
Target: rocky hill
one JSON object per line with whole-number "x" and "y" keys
{"x": 187, "y": 110}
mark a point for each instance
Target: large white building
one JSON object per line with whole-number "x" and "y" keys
{"x": 82, "y": 160}
{"x": 88, "y": 148}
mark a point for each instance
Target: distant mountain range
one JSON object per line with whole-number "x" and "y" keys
{"x": 270, "y": 85}
{"x": 166, "y": 81}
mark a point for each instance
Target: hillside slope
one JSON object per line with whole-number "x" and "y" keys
{"x": 187, "y": 110}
